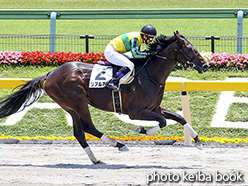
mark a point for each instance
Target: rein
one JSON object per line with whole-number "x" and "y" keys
{"x": 149, "y": 77}
{"x": 154, "y": 81}
{"x": 188, "y": 62}
{"x": 139, "y": 70}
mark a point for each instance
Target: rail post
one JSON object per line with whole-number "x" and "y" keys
{"x": 240, "y": 15}
{"x": 212, "y": 41}
{"x": 53, "y": 16}
{"x": 87, "y": 37}
{"x": 186, "y": 115}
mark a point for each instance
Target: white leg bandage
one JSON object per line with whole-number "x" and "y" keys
{"x": 191, "y": 131}
{"x": 108, "y": 140}
{"x": 90, "y": 154}
{"x": 152, "y": 131}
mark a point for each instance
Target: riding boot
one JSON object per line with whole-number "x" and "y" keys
{"x": 114, "y": 82}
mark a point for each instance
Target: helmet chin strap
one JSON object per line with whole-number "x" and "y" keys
{"x": 145, "y": 38}
{"x": 146, "y": 41}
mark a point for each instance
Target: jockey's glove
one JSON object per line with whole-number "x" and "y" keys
{"x": 152, "y": 53}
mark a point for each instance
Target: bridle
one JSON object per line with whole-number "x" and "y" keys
{"x": 188, "y": 59}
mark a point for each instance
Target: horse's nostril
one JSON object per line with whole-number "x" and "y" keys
{"x": 205, "y": 66}
{"x": 191, "y": 64}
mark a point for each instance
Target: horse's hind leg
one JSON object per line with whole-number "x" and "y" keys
{"x": 81, "y": 139}
{"x": 80, "y": 136}
{"x": 177, "y": 117}
{"x": 86, "y": 124}
{"x": 89, "y": 127}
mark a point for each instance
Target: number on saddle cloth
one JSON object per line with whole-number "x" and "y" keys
{"x": 102, "y": 73}
{"x": 100, "y": 76}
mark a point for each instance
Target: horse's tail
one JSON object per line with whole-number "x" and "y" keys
{"x": 25, "y": 96}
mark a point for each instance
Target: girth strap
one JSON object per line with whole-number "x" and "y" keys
{"x": 116, "y": 94}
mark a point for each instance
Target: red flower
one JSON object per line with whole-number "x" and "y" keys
{"x": 58, "y": 58}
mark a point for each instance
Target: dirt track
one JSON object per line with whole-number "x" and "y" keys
{"x": 49, "y": 165}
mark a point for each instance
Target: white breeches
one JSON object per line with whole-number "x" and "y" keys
{"x": 117, "y": 58}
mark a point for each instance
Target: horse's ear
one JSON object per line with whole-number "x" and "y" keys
{"x": 176, "y": 33}
{"x": 177, "y": 36}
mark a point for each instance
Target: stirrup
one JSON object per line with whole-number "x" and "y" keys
{"x": 112, "y": 85}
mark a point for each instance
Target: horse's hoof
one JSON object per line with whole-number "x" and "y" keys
{"x": 140, "y": 130}
{"x": 99, "y": 162}
{"x": 199, "y": 145}
{"x": 123, "y": 149}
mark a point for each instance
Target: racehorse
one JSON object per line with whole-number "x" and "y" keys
{"x": 68, "y": 85}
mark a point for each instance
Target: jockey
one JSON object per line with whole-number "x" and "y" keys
{"x": 116, "y": 48}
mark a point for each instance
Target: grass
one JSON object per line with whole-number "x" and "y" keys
{"x": 46, "y": 122}
{"x": 238, "y": 112}
{"x": 241, "y": 94}
{"x": 202, "y": 104}
{"x": 24, "y": 72}
{"x": 119, "y": 4}
{"x": 40, "y": 122}
{"x": 188, "y": 27}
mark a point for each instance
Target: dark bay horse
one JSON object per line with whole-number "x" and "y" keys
{"x": 68, "y": 85}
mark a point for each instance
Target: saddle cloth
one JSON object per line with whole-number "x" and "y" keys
{"x": 101, "y": 74}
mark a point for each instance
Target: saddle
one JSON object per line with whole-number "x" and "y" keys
{"x": 102, "y": 72}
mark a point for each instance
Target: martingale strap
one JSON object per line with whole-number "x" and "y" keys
{"x": 116, "y": 94}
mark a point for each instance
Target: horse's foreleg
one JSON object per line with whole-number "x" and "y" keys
{"x": 177, "y": 117}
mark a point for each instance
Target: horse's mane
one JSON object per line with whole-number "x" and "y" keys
{"x": 161, "y": 42}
